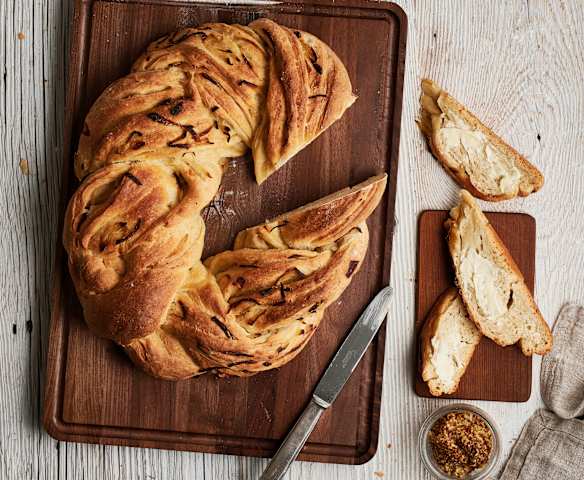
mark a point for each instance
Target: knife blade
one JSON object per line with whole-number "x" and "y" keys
{"x": 330, "y": 385}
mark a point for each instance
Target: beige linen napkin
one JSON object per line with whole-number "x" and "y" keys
{"x": 562, "y": 370}
{"x": 549, "y": 448}
{"x": 551, "y": 444}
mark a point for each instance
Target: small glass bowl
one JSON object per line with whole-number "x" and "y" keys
{"x": 426, "y": 449}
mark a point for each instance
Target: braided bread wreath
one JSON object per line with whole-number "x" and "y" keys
{"x": 151, "y": 156}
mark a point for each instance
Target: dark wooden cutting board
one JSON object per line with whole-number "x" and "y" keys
{"x": 93, "y": 393}
{"x": 495, "y": 373}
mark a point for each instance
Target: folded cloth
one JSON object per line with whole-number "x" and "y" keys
{"x": 549, "y": 448}
{"x": 551, "y": 444}
{"x": 562, "y": 370}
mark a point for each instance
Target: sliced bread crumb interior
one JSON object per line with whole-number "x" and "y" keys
{"x": 449, "y": 339}
{"x": 471, "y": 153}
{"x": 490, "y": 283}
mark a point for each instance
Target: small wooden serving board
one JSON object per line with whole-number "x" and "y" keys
{"x": 93, "y": 392}
{"x": 495, "y": 373}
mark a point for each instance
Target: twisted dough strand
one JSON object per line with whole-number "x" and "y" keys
{"x": 151, "y": 157}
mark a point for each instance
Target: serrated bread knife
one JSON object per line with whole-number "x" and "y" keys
{"x": 331, "y": 383}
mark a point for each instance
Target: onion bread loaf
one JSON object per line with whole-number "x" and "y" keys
{"x": 471, "y": 153}
{"x": 448, "y": 341}
{"x": 151, "y": 157}
{"x": 215, "y": 91}
{"x": 490, "y": 283}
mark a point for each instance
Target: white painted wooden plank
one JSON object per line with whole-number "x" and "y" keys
{"x": 472, "y": 49}
{"x": 29, "y": 132}
{"x": 517, "y": 64}
{"x": 50, "y": 20}
{"x": 492, "y": 58}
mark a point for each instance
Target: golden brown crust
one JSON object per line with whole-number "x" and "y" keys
{"x": 433, "y": 101}
{"x": 241, "y": 312}
{"x": 131, "y": 230}
{"x": 319, "y": 223}
{"x": 259, "y": 304}
{"x": 217, "y": 90}
{"x": 308, "y": 90}
{"x": 151, "y": 158}
{"x": 531, "y": 309}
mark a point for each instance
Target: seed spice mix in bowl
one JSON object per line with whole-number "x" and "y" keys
{"x": 459, "y": 441}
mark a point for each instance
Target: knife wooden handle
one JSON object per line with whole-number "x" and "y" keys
{"x": 293, "y": 442}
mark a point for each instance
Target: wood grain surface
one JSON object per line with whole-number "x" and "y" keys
{"x": 95, "y": 394}
{"x": 495, "y": 373}
{"x": 517, "y": 64}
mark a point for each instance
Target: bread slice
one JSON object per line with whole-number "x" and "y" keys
{"x": 471, "y": 153}
{"x": 448, "y": 339}
{"x": 490, "y": 283}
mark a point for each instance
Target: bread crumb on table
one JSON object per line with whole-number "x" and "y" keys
{"x": 23, "y": 164}
{"x": 379, "y": 474}
{"x": 20, "y": 36}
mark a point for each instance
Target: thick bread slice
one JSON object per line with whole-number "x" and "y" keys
{"x": 490, "y": 283}
{"x": 448, "y": 339}
{"x": 471, "y": 153}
